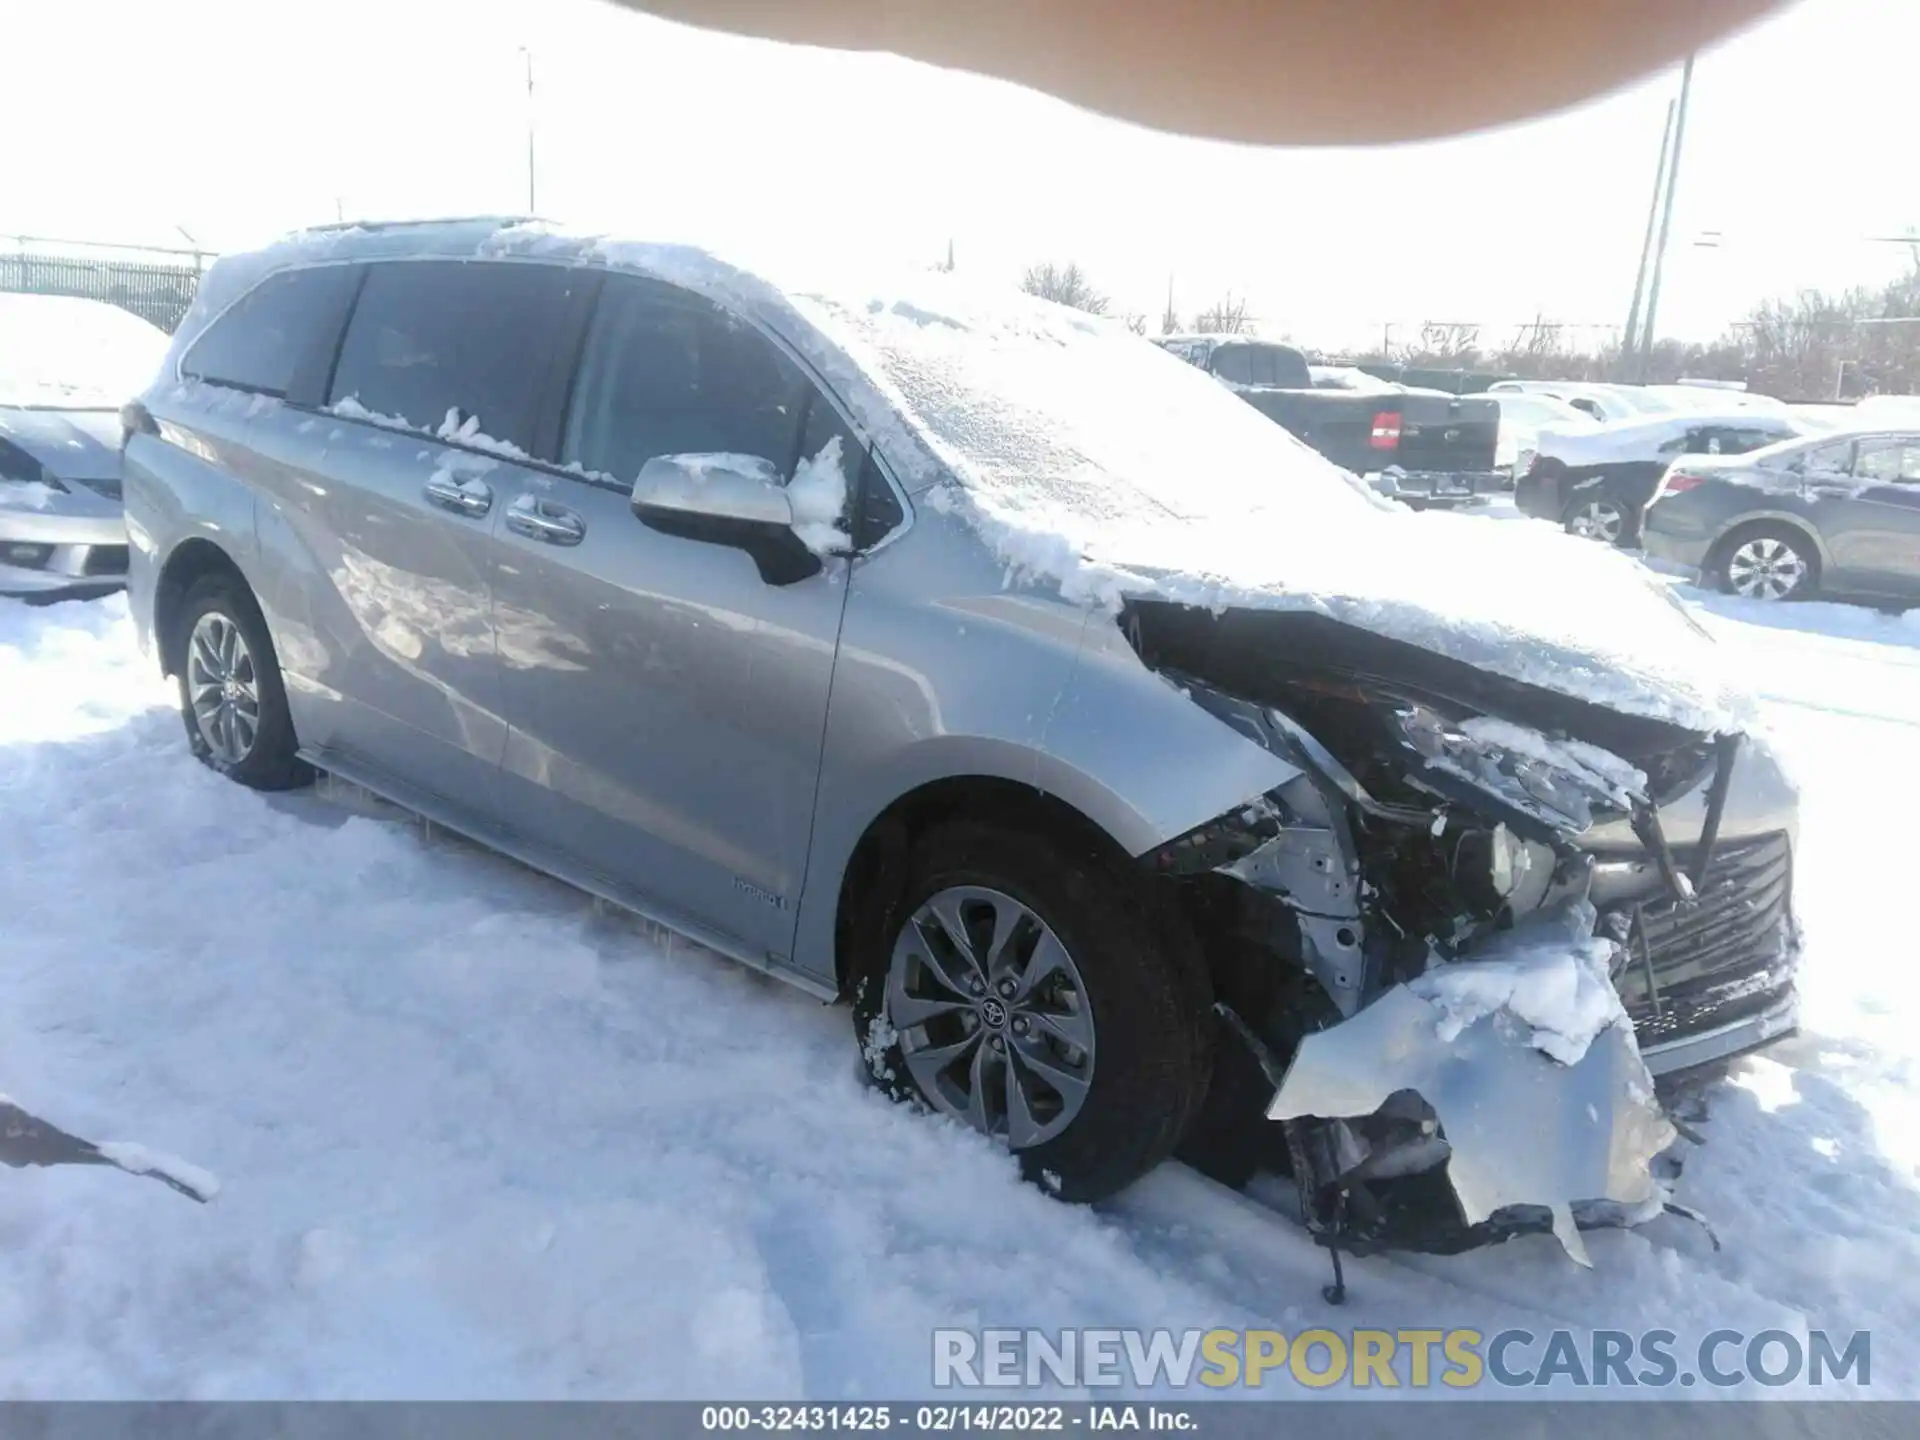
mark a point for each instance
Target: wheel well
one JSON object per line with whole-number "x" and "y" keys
{"x": 186, "y": 567}
{"x": 1738, "y": 532}
{"x": 877, "y": 870}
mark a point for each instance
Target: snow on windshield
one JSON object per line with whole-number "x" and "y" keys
{"x": 62, "y": 353}
{"x": 1066, "y": 418}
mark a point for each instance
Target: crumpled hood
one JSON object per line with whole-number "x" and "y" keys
{"x": 70, "y": 444}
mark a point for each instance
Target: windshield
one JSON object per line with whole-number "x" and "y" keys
{"x": 61, "y": 353}
{"x": 1033, "y": 405}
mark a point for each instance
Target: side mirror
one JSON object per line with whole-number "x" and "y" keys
{"x": 732, "y": 500}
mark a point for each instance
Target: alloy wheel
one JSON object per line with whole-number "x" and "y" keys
{"x": 1598, "y": 520}
{"x": 1766, "y": 569}
{"x": 991, "y": 1015}
{"x": 223, "y": 686}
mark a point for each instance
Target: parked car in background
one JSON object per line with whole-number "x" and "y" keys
{"x": 1429, "y": 449}
{"x": 1597, "y": 481}
{"x": 66, "y": 367}
{"x": 1606, "y": 403}
{"x": 955, "y": 654}
{"x": 1523, "y": 415}
{"x": 1829, "y": 514}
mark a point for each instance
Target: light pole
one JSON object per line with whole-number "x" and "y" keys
{"x": 1666, "y": 214}
{"x": 527, "y": 55}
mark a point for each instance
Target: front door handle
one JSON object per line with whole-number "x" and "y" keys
{"x": 463, "y": 497}
{"x": 546, "y": 521}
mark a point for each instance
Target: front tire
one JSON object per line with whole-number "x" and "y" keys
{"x": 1767, "y": 562}
{"x": 231, "y": 695}
{"x": 1028, "y": 992}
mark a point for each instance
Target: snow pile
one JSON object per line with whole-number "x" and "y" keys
{"x": 818, "y": 493}
{"x": 1550, "y": 973}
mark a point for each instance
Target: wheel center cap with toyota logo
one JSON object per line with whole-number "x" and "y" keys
{"x": 993, "y": 1013}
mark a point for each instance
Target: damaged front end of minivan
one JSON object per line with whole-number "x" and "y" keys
{"x": 1418, "y": 975}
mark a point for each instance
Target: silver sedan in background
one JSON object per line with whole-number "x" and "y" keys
{"x": 66, "y": 367}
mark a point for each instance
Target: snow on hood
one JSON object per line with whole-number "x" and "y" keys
{"x": 1641, "y": 439}
{"x": 62, "y": 353}
{"x": 1094, "y": 460}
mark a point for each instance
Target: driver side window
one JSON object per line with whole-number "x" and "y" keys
{"x": 664, "y": 372}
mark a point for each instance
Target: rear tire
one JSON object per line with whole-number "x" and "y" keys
{"x": 1600, "y": 516}
{"x": 232, "y": 699}
{"x": 1091, "y": 1005}
{"x": 1767, "y": 561}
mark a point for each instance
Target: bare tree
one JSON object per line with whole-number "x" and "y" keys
{"x": 1136, "y": 322}
{"x": 1065, "y": 285}
{"x": 1226, "y": 316}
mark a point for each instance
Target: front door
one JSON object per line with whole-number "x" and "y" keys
{"x": 666, "y": 704}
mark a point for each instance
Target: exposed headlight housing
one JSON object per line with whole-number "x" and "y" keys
{"x": 1551, "y": 782}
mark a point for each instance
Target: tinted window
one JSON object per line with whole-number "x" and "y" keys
{"x": 666, "y": 373}
{"x": 260, "y": 344}
{"x": 1262, "y": 365}
{"x": 430, "y": 339}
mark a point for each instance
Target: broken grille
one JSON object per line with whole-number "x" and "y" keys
{"x": 1721, "y": 959}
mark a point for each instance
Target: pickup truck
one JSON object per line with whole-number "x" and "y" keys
{"x": 1426, "y": 448}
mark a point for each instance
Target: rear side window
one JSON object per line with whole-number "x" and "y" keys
{"x": 437, "y": 341}
{"x": 666, "y": 373}
{"x": 285, "y": 325}
{"x": 1889, "y": 461}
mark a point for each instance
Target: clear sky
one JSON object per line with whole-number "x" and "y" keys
{"x": 237, "y": 119}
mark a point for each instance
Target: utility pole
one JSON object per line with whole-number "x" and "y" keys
{"x": 532, "y": 208}
{"x": 1630, "y": 337}
{"x": 1666, "y": 213}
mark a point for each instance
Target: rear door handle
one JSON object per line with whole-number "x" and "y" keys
{"x": 546, "y": 521}
{"x": 463, "y": 497}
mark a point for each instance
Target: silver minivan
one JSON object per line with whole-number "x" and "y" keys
{"x": 1143, "y": 783}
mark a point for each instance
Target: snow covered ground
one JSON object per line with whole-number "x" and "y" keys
{"x": 477, "y": 1139}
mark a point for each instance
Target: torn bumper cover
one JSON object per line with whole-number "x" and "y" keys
{"x": 1483, "y": 1066}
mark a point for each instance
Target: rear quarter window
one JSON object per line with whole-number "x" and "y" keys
{"x": 277, "y": 336}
